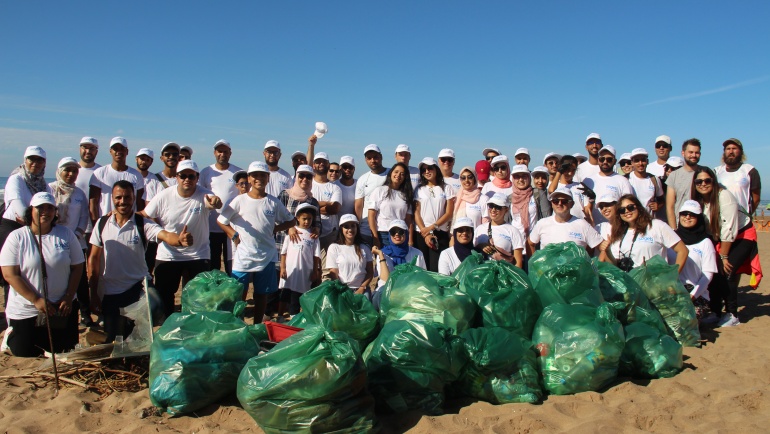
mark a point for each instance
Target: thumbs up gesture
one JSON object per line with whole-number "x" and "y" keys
{"x": 185, "y": 238}
{"x": 213, "y": 202}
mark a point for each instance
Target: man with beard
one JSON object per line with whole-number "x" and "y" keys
{"x": 89, "y": 148}
{"x": 347, "y": 184}
{"x": 365, "y": 185}
{"x": 403, "y": 155}
{"x": 680, "y": 182}
{"x": 662, "y": 151}
{"x": 169, "y": 156}
{"x": 646, "y": 185}
{"x": 741, "y": 179}
{"x": 219, "y": 178}
{"x": 103, "y": 178}
{"x": 605, "y": 181}
{"x": 280, "y": 179}
{"x": 152, "y": 186}
{"x": 590, "y": 167}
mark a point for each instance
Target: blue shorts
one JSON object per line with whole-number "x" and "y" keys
{"x": 265, "y": 281}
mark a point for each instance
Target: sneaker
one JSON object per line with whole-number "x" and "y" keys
{"x": 728, "y": 320}
{"x": 711, "y": 318}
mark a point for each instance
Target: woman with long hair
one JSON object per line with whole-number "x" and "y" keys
{"x": 433, "y": 209}
{"x": 349, "y": 259}
{"x": 391, "y": 201}
{"x": 497, "y": 239}
{"x": 731, "y": 228}
{"x": 636, "y": 237}
{"x": 469, "y": 202}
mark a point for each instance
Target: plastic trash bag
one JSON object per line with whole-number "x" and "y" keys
{"x": 504, "y": 295}
{"x": 299, "y": 320}
{"x": 660, "y": 282}
{"x": 314, "y": 381}
{"x": 502, "y": 367}
{"x": 210, "y": 291}
{"x": 412, "y": 293}
{"x": 563, "y": 273}
{"x": 409, "y": 364}
{"x": 468, "y": 264}
{"x": 579, "y": 346}
{"x": 333, "y": 305}
{"x": 552, "y": 256}
{"x": 649, "y": 353}
{"x": 196, "y": 358}
{"x": 624, "y": 294}
{"x": 140, "y": 339}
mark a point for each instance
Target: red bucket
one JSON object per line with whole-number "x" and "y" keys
{"x": 277, "y": 332}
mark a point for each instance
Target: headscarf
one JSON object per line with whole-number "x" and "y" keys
{"x": 397, "y": 252}
{"x": 462, "y": 250}
{"x": 35, "y": 183}
{"x": 464, "y": 195}
{"x": 695, "y": 234}
{"x": 63, "y": 194}
{"x": 298, "y": 193}
{"x": 520, "y": 205}
{"x": 503, "y": 183}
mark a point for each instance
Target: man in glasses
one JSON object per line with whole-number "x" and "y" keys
{"x": 329, "y": 197}
{"x": 365, "y": 185}
{"x": 103, "y": 178}
{"x": 347, "y": 184}
{"x": 334, "y": 171}
{"x": 218, "y": 178}
{"x": 741, "y": 179}
{"x": 646, "y": 185}
{"x": 562, "y": 226}
{"x": 403, "y": 155}
{"x": 680, "y": 182}
{"x": 590, "y": 167}
{"x": 279, "y": 179}
{"x": 663, "y": 152}
{"x": 169, "y": 156}
{"x": 446, "y": 162}
{"x": 489, "y": 154}
{"x": 605, "y": 180}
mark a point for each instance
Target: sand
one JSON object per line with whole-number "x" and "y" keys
{"x": 725, "y": 387}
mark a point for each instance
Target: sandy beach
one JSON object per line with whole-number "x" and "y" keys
{"x": 725, "y": 387}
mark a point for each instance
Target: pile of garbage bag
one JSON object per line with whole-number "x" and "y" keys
{"x": 649, "y": 352}
{"x": 213, "y": 290}
{"x": 564, "y": 273}
{"x": 621, "y": 290}
{"x": 333, "y": 305}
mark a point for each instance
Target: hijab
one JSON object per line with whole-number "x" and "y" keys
{"x": 63, "y": 194}
{"x": 462, "y": 250}
{"x": 397, "y": 252}
{"x": 35, "y": 183}
{"x": 695, "y": 234}
{"x": 520, "y": 205}
{"x": 502, "y": 183}
{"x": 298, "y": 193}
{"x": 464, "y": 195}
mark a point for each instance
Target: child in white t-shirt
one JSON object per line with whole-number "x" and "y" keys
{"x": 300, "y": 262}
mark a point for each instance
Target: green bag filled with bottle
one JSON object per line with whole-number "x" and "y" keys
{"x": 333, "y": 305}
{"x": 213, "y": 290}
{"x": 504, "y": 295}
{"x": 563, "y": 273}
{"x": 660, "y": 282}
{"x": 649, "y": 353}
{"x": 625, "y": 295}
{"x": 502, "y": 367}
{"x": 314, "y": 381}
{"x": 195, "y": 359}
{"x": 579, "y": 346}
{"x": 409, "y": 364}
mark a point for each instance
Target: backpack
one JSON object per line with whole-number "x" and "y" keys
{"x": 138, "y": 219}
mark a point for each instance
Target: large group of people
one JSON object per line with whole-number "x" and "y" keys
{"x": 282, "y": 232}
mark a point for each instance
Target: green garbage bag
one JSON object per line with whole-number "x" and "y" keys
{"x": 563, "y": 273}
{"x": 195, "y": 359}
{"x": 660, "y": 282}
{"x": 409, "y": 364}
{"x": 552, "y": 256}
{"x": 412, "y": 293}
{"x": 504, "y": 295}
{"x": 314, "y": 381}
{"x": 468, "y": 264}
{"x": 299, "y": 320}
{"x": 649, "y": 353}
{"x": 213, "y": 290}
{"x": 579, "y": 346}
{"x": 625, "y": 295}
{"x": 333, "y": 305}
{"x": 502, "y": 367}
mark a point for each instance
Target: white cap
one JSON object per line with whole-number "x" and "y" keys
{"x": 34, "y": 151}
{"x": 499, "y": 199}
{"x": 188, "y": 149}
{"x": 639, "y": 151}
{"x": 561, "y": 191}
{"x": 321, "y": 156}
{"x": 427, "y": 161}
{"x": 304, "y": 168}
{"x": 118, "y": 141}
{"x": 320, "y": 129}
{"x": 551, "y": 155}
{"x": 41, "y": 198}
{"x": 540, "y": 169}
{"x": 488, "y": 150}
{"x": 398, "y": 223}
{"x": 663, "y": 138}
{"x": 463, "y": 222}
{"x": 519, "y": 168}
{"x": 68, "y": 161}
{"x": 305, "y": 206}
{"x": 594, "y": 136}
{"x": 402, "y": 148}
{"x": 579, "y": 155}
{"x": 222, "y": 142}
{"x": 692, "y": 206}
{"x": 187, "y": 165}
{"x": 608, "y": 197}
{"x": 235, "y": 175}
{"x": 256, "y": 166}
{"x": 169, "y": 145}
{"x": 89, "y": 141}
{"x": 499, "y": 159}
{"x": 674, "y": 162}
{"x": 607, "y": 148}
{"x": 446, "y": 153}
{"x": 146, "y": 151}
{"x": 347, "y": 218}
{"x": 298, "y": 153}
{"x": 521, "y": 151}
{"x": 626, "y": 156}
{"x": 272, "y": 144}
{"x": 372, "y": 147}
{"x": 347, "y": 159}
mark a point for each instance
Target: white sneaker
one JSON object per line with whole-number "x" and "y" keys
{"x": 711, "y": 318}
{"x": 728, "y": 320}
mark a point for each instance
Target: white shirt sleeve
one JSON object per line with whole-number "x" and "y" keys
{"x": 593, "y": 238}
{"x": 444, "y": 262}
{"x": 669, "y": 237}
{"x": 331, "y": 256}
{"x": 534, "y": 233}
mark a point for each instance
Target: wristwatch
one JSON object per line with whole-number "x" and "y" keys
{"x": 234, "y": 237}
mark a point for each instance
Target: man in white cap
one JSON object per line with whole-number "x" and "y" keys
{"x": 183, "y": 207}
{"x": 605, "y": 180}
{"x": 144, "y": 160}
{"x": 298, "y": 158}
{"x": 490, "y": 153}
{"x": 522, "y": 156}
{"x": 365, "y": 185}
{"x": 89, "y": 148}
{"x": 185, "y": 153}
{"x": 329, "y": 197}
{"x": 562, "y": 226}
{"x": 219, "y": 178}
{"x": 591, "y": 166}
{"x": 551, "y": 162}
{"x": 446, "y": 163}
{"x": 347, "y": 184}
{"x": 662, "y": 151}
{"x": 334, "y": 171}
{"x": 646, "y": 185}
{"x": 580, "y": 158}
{"x": 169, "y": 156}
{"x": 280, "y": 179}
{"x": 403, "y": 155}
{"x": 679, "y": 183}
{"x": 103, "y": 178}
{"x": 741, "y": 179}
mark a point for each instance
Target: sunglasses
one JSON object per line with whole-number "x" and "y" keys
{"x": 242, "y": 184}
{"x": 490, "y": 158}
{"x": 560, "y": 201}
{"x": 688, "y": 214}
{"x": 660, "y": 145}
{"x": 707, "y": 181}
{"x": 467, "y": 178}
{"x": 349, "y": 226}
{"x": 170, "y": 154}
{"x": 499, "y": 168}
{"x": 334, "y": 170}
{"x": 397, "y": 232}
{"x": 269, "y": 152}
{"x": 639, "y": 160}
{"x": 446, "y": 160}
{"x": 606, "y": 159}
{"x": 494, "y": 207}
{"x": 35, "y": 159}
{"x": 464, "y": 230}
{"x": 605, "y": 205}
{"x": 625, "y": 163}
{"x": 424, "y": 169}
{"x": 187, "y": 176}
{"x": 346, "y": 167}
{"x": 521, "y": 176}
{"x": 304, "y": 176}
{"x": 627, "y": 208}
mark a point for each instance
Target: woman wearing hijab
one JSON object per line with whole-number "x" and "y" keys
{"x": 396, "y": 253}
{"x": 298, "y": 194}
{"x": 523, "y": 207}
{"x": 462, "y": 234}
{"x": 469, "y": 202}
{"x": 501, "y": 178}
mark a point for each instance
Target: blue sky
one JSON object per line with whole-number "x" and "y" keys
{"x": 430, "y": 74}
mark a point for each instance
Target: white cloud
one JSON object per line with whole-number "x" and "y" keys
{"x": 708, "y": 92}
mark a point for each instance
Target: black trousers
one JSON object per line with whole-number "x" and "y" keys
{"x": 6, "y": 227}
{"x": 431, "y": 256}
{"x": 114, "y": 323}
{"x": 149, "y": 256}
{"x": 218, "y": 243}
{"x": 84, "y": 294}
{"x": 168, "y": 276}
{"x": 29, "y": 340}
{"x": 723, "y": 289}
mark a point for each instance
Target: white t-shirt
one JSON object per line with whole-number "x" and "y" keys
{"x": 105, "y": 177}
{"x": 348, "y": 203}
{"x": 737, "y": 182}
{"x": 448, "y": 262}
{"x": 328, "y": 192}
{"x": 83, "y": 182}
{"x": 586, "y": 170}
{"x": 476, "y": 211}
{"x": 365, "y": 185}
{"x": 221, "y": 182}
{"x": 516, "y": 218}
{"x": 151, "y": 186}
{"x": 352, "y": 269}
{"x": 646, "y": 189}
{"x": 549, "y": 231}
{"x": 454, "y": 181}
{"x": 433, "y": 202}
{"x": 602, "y": 185}
{"x": 490, "y": 189}
{"x": 17, "y": 197}
{"x": 656, "y": 168}
{"x": 414, "y": 176}
{"x": 122, "y": 262}
{"x": 700, "y": 267}
{"x": 413, "y": 253}
{"x": 390, "y": 208}
{"x": 77, "y": 213}
{"x": 279, "y": 181}
{"x": 61, "y": 250}
{"x": 655, "y": 241}
{"x": 506, "y": 237}
{"x": 254, "y": 220}
{"x": 577, "y": 196}
{"x": 299, "y": 261}
{"x": 172, "y": 212}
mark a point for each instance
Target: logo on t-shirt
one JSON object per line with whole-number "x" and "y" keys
{"x": 576, "y": 235}
{"x": 134, "y": 240}
{"x": 505, "y": 237}
{"x": 269, "y": 212}
{"x": 61, "y": 245}
{"x": 646, "y": 239}
{"x": 698, "y": 251}
{"x": 196, "y": 209}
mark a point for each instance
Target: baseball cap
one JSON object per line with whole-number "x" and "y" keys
{"x": 499, "y": 199}
{"x": 463, "y": 222}
{"x": 499, "y": 159}
{"x": 551, "y": 155}
{"x": 398, "y": 223}
{"x": 272, "y": 144}
{"x": 519, "y": 168}
{"x": 296, "y": 153}
{"x": 34, "y": 151}
{"x": 68, "y": 161}
{"x": 665, "y": 139}
{"x": 118, "y": 141}
{"x": 488, "y": 150}
{"x": 560, "y": 191}
{"x": 347, "y": 159}
{"x": 482, "y": 170}
{"x": 89, "y": 141}
{"x": 187, "y": 165}
{"x": 42, "y": 198}
{"x": 427, "y": 161}
{"x": 521, "y": 151}
{"x": 306, "y": 206}
{"x": 579, "y": 155}
{"x": 626, "y": 156}
{"x": 733, "y": 141}
{"x": 146, "y": 151}
{"x": 188, "y": 149}
{"x": 594, "y": 136}
{"x": 222, "y": 142}
{"x": 255, "y": 166}
{"x": 372, "y": 147}
{"x": 540, "y": 169}
{"x": 446, "y": 153}
{"x": 675, "y": 162}
{"x": 639, "y": 151}
{"x": 402, "y": 148}
{"x": 321, "y": 156}
{"x": 304, "y": 168}
{"x": 691, "y": 206}
{"x": 607, "y": 148}
{"x": 320, "y": 129}
{"x": 347, "y": 218}
{"x": 609, "y": 197}
{"x": 238, "y": 173}
{"x": 169, "y": 145}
